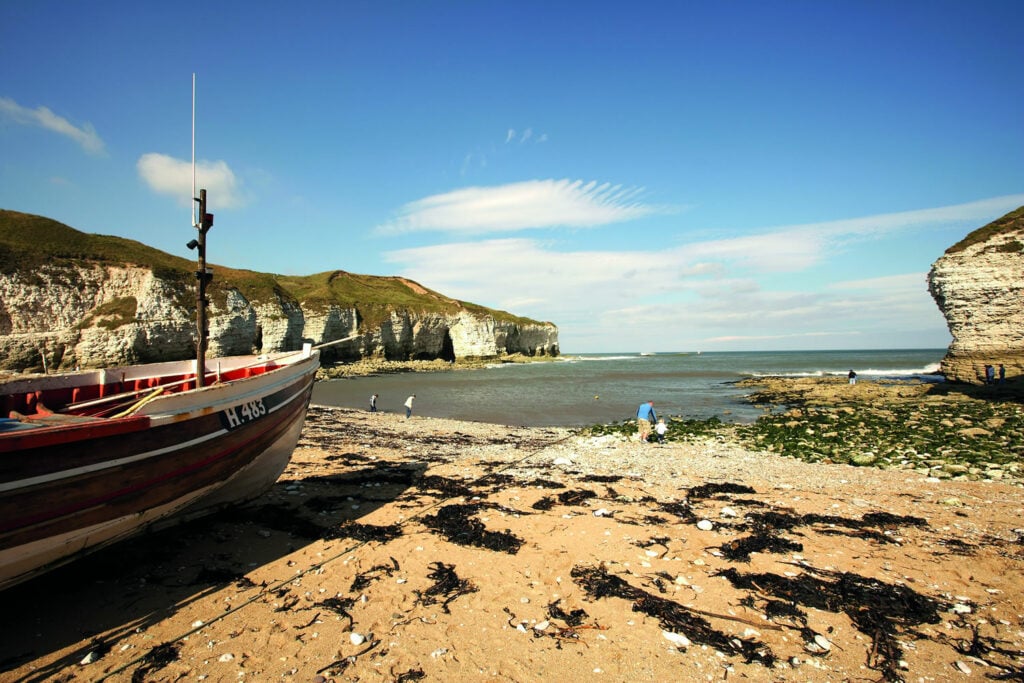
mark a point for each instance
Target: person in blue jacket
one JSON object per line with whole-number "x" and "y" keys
{"x": 645, "y": 417}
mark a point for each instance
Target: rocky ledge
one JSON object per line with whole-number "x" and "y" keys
{"x": 940, "y": 430}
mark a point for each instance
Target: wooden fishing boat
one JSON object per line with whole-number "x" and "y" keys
{"x": 89, "y": 458}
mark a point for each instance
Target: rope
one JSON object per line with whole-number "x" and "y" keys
{"x": 316, "y": 567}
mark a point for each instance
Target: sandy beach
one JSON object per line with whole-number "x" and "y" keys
{"x": 428, "y": 549}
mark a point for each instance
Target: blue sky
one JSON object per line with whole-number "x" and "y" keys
{"x": 649, "y": 176}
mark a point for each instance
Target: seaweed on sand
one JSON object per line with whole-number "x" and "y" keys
{"x": 156, "y": 659}
{"x": 364, "y": 579}
{"x": 879, "y": 610}
{"x": 456, "y": 524}
{"x": 709, "y": 490}
{"x": 671, "y": 615}
{"x": 447, "y": 585}
{"x": 680, "y": 510}
{"x": 739, "y": 549}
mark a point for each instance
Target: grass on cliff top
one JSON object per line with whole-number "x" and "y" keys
{"x": 28, "y": 242}
{"x": 1011, "y": 222}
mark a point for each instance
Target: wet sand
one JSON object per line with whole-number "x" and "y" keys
{"x": 427, "y": 549}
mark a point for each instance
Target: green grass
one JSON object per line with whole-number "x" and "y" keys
{"x": 1011, "y": 222}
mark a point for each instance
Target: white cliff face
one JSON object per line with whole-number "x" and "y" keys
{"x": 94, "y": 315}
{"x": 980, "y": 290}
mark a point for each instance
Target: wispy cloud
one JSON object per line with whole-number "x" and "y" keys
{"x": 520, "y": 206}
{"x": 796, "y": 247}
{"x": 706, "y": 293}
{"x": 524, "y": 136}
{"x": 84, "y": 135}
{"x": 167, "y": 175}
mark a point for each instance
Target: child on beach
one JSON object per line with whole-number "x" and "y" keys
{"x": 660, "y": 430}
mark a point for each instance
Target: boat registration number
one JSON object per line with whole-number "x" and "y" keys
{"x": 236, "y": 416}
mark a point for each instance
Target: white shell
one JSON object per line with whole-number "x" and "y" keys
{"x": 823, "y": 643}
{"x": 963, "y": 667}
{"x": 677, "y": 639}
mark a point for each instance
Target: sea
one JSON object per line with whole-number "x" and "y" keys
{"x": 605, "y": 388}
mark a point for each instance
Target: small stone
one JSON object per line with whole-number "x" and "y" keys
{"x": 90, "y": 658}
{"x": 823, "y": 643}
{"x": 357, "y": 638}
{"x": 226, "y": 657}
{"x": 963, "y": 667}
{"x": 705, "y": 525}
{"x": 677, "y": 639}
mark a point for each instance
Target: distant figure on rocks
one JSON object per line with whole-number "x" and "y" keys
{"x": 408, "y": 406}
{"x": 1002, "y": 374}
{"x": 660, "y": 430}
{"x": 373, "y": 403}
{"x": 853, "y": 377}
{"x": 645, "y": 416}
{"x": 990, "y": 374}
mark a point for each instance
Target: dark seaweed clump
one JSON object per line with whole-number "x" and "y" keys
{"x": 447, "y": 586}
{"x": 879, "y": 610}
{"x": 456, "y": 523}
{"x": 671, "y": 615}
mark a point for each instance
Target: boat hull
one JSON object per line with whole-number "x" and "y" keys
{"x": 72, "y": 488}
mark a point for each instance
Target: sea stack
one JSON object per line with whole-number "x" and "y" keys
{"x": 978, "y": 285}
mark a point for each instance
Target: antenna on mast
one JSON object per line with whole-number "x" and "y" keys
{"x": 203, "y": 274}
{"x": 195, "y": 223}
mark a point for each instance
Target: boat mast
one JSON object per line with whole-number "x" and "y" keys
{"x": 203, "y": 222}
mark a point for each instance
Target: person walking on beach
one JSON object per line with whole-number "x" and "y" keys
{"x": 408, "y": 406}
{"x": 853, "y": 377}
{"x": 660, "y": 430}
{"x": 990, "y": 374}
{"x": 645, "y": 416}
{"x": 1002, "y": 374}
{"x": 373, "y": 403}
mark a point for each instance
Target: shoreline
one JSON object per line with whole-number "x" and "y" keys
{"x": 369, "y": 367}
{"x": 429, "y": 548}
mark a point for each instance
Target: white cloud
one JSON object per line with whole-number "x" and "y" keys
{"x": 85, "y": 135}
{"x": 520, "y": 206}
{"x": 167, "y": 175}
{"x": 723, "y": 293}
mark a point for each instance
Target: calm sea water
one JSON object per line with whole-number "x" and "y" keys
{"x": 602, "y": 388}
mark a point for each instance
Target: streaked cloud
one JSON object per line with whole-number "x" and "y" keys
{"x": 711, "y": 293}
{"x": 173, "y": 177}
{"x": 520, "y": 206}
{"x": 84, "y": 135}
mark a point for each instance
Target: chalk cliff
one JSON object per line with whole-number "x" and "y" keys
{"x": 70, "y": 299}
{"x": 979, "y": 286}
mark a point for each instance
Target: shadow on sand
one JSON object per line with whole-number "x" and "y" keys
{"x": 142, "y": 581}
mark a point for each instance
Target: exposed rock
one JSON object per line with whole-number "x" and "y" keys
{"x": 82, "y": 307}
{"x": 978, "y": 285}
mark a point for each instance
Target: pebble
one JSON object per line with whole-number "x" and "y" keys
{"x": 357, "y": 638}
{"x": 677, "y": 639}
{"x": 705, "y": 525}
